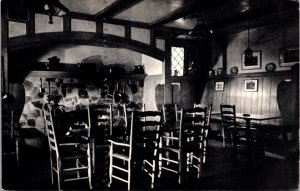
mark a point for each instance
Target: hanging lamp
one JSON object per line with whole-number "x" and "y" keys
{"x": 248, "y": 52}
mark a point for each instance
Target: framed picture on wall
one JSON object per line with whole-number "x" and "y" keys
{"x": 219, "y": 86}
{"x": 288, "y": 56}
{"x": 250, "y": 85}
{"x": 251, "y": 63}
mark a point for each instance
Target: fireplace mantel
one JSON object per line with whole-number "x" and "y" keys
{"x": 81, "y": 75}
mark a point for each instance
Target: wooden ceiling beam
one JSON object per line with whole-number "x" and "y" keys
{"x": 274, "y": 14}
{"x": 82, "y": 16}
{"x": 269, "y": 18}
{"x": 126, "y": 23}
{"x": 144, "y": 25}
{"x": 189, "y": 8}
{"x": 115, "y": 8}
{"x": 241, "y": 17}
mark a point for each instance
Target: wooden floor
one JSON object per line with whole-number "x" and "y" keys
{"x": 223, "y": 170}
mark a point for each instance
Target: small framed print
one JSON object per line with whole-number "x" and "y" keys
{"x": 288, "y": 56}
{"x": 219, "y": 86}
{"x": 253, "y": 63}
{"x": 250, "y": 85}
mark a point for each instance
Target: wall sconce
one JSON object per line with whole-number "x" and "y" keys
{"x": 55, "y": 8}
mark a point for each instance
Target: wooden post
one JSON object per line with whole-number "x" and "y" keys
{"x": 4, "y": 53}
{"x": 167, "y": 73}
{"x": 67, "y": 23}
{"x": 99, "y": 28}
{"x": 30, "y": 26}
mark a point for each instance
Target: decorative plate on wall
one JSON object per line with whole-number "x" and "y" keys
{"x": 234, "y": 70}
{"x": 270, "y": 67}
{"x": 220, "y": 71}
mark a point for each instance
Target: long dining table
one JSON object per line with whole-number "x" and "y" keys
{"x": 248, "y": 118}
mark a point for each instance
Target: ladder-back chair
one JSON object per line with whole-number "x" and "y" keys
{"x": 208, "y": 118}
{"x": 187, "y": 149}
{"x": 170, "y": 115}
{"x": 120, "y": 123}
{"x": 100, "y": 121}
{"x": 70, "y": 161}
{"x": 230, "y": 124}
{"x": 196, "y": 135}
{"x": 142, "y": 147}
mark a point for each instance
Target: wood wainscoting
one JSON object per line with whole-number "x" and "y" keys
{"x": 262, "y": 101}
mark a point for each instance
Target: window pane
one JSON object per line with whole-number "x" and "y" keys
{"x": 177, "y": 61}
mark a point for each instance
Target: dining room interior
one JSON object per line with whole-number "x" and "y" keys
{"x": 148, "y": 94}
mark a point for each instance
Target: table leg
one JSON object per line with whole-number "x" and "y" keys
{"x": 248, "y": 133}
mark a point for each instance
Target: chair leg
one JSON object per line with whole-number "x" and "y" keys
{"x": 110, "y": 166}
{"x": 223, "y": 136}
{"x": 89, "y": 166}
{"x": 200, "y": 166}
{"x": 204, "y": 150}
{"x": 93, "y": 155}
{"x": 17, "y": 151}
{"x": 153, "y": 174}
{"x": 188, "y": 161}
{"x": 159, "y": 164}
{"x": 129, "y": 175}
{"x": 59, "y": 178}
{"x": 51, "y": 171}
{"x": 234, "y": 138}
{"x": 180, "y": 161}
{"x": 77, "y": 166}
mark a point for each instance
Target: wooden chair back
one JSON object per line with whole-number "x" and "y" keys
{"x": 100, "y": 122}
{"x": 52, "y": 140}
{"x": 143, "y": 136}
{"x": 64, "y": 151}
{"x": 145, "y": 126}
{"x": 170, "y": 113}
{"x": 228, "y": 115}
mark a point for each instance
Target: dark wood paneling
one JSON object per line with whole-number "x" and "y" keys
{"x": 264, "y": 101}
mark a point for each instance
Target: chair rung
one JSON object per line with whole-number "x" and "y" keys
{"x": 147, "y": 162}
{"x": 76, "y": 168}
{"x": 9, "y": 153}
{"x": 149, "y": 173}
{"x": 167, "y": 137}
{"x": 73, "y": 179}
{"x": 121, "y": 179}
{"x": 168, "y": 169}
{"x": 196, "y": 158}
{"x": 55, "y": 170}
{"x": 169, "y": 160}
{"x": 120, "y": 157}
{"x": 69, "y": 144}
{"x": 119, "y": 168}
{"x": 195, "y": 166}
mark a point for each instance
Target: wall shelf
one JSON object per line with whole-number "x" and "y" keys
{"x": 84, "y": 75}
{"x": 245, "y": 75}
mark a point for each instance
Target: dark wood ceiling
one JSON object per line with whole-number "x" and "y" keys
{"x": 179, "y": 16}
